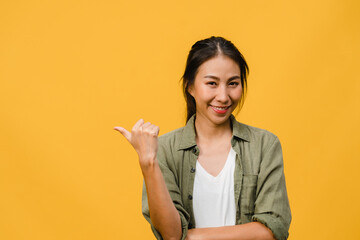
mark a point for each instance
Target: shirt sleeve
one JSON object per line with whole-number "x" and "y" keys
{"x": 272, "y": 205}
{"x": 167, "y": 167}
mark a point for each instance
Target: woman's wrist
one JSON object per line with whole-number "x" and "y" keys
{"x": 148, "y": 166}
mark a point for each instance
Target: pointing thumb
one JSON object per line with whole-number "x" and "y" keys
{"x": 124, "y": 132}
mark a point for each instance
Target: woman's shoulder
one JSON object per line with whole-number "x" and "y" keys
{"x": 176, "y": 133}
{"x": 256, "y": 131}
{"x": 181, "y": 138}
{"x": 254, "y": 134}
{"x": 258, "y": 141}
{"x": 173, "y": 138}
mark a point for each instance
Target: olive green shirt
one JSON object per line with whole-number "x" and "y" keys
{"x": 259, "y": 182}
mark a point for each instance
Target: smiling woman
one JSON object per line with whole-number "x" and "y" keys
{"x": 214, "y": 178}
{"x": 217, "y": 89}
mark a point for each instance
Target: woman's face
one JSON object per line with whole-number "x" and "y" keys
{"x": 217, "y": 90}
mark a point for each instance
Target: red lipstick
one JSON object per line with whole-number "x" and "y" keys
{"x": 220, "y": 110}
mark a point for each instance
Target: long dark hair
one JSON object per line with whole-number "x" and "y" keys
{"x": 202, "y": 51}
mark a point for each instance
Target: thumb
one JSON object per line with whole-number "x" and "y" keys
{"x": 124, "y": 132}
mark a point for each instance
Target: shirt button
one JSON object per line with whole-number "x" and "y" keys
{"x": 194, "y": 150}
{"x": 190, "y": 197}
{"x": 192, "y": 170}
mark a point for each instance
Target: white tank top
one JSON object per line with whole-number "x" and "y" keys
{"x": 213, "y": 197}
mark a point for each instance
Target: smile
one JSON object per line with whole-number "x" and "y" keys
{"x": 219, "y": 109}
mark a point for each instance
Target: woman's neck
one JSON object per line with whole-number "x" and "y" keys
{"x": 209, "y": 132}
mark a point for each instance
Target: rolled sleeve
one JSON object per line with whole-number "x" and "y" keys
{"x": 168, "y": 172}
{"x": 272, "y": 205}
{"x": 184, "y": 217}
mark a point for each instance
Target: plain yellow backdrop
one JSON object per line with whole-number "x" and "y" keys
{"x": 72, "y": 70}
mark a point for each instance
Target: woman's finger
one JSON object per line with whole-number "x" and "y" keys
{"x": 138, "y": 124}
{"x": 124, "y": 132}
{"x": 145, "y": 125}
{"x": 154, "y": 130}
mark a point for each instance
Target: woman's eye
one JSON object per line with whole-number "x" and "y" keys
{"x": 233, "y": 83}
{"x": 211, "y": 83}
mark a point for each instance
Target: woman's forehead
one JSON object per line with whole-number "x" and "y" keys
{"x": 219, "y": 65}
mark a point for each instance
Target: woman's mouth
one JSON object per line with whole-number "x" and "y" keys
{"x": 220, "y": 109}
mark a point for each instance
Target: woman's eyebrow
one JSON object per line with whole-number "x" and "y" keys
{"x": 212, "y": 77}
{"x": 234, "y": 77}
{"x": 216, "y": 78}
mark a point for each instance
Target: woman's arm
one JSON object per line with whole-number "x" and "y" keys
{"x": 272, "y": 205}
{"x": 164, "y": 216}
{"x": 163, "y": 213}
{"x": 272, "y": 209}
{"x": 248, "y": 231}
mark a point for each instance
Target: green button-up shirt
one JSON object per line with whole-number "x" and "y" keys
{"x": 259, "y": 182}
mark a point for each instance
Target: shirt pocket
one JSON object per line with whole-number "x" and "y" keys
{"x": 248, "y": 195}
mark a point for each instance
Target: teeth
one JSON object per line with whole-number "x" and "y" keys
{"x": 220, "y": 108}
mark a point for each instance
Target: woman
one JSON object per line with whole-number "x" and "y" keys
{"x": 215, "y": 178}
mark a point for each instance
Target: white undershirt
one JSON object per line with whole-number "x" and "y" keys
{"x": 213, "y": 197}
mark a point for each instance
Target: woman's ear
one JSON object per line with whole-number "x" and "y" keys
{"x": 191, "y": 90}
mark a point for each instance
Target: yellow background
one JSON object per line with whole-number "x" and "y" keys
{"x": 72, "y": 70}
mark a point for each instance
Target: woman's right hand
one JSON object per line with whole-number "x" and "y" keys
{"x": 162, "y": 211}
{"x": 144, "y": 139}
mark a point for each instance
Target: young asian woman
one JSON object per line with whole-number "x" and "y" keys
{"x": 214, "y": 178}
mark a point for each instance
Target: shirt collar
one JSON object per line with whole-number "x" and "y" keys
{"x": 188, "y": 138}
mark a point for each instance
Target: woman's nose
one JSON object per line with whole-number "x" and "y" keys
{"x": 222, "y": 94}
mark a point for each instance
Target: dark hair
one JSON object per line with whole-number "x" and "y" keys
{"x": 202, "y": 51}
